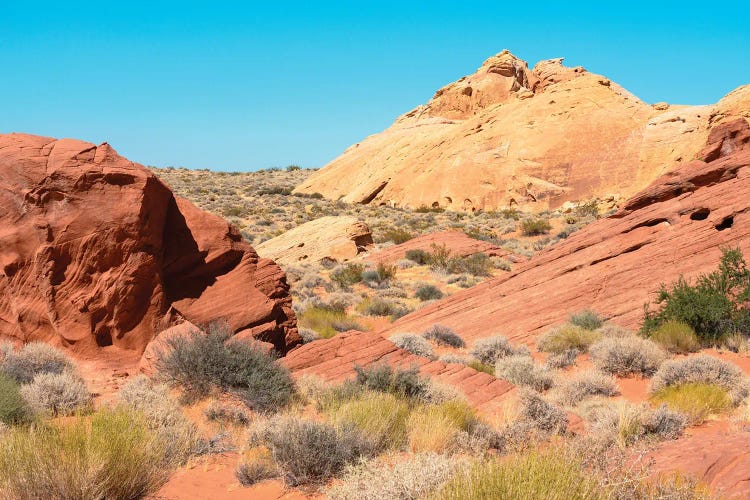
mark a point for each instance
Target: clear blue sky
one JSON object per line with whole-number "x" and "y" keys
{"x": 250, "y": 85}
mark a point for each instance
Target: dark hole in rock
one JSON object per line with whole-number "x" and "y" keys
{"x": 725, "y": 224}
{"x": 700, "y": 214}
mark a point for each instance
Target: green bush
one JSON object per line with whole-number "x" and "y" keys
{"x": 716, "y": 305}
{"x": 428, "y": 292}
{"x": 676, "y": 337}
{"x": 398, "y": 381}
{"x": 202, "y": 363}
{"x": 421, "y": 257}
{"x": 535, "y": 227}
{"x": 13, "y": 408}
{"x": 348, "y": 274}
{"x": 111, "y": 455}
{"x": 477, "y": 264}
{"x": 327, "y": 322}
{"x": 587, "y": 319}
{"x": 396, "y": 235}
{"x": 375, "y": 306}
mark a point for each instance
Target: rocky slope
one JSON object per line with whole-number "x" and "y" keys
{"x": 96, "y": 251}
{"x": 337, "y": 238}
{"x": 509, "y": 135}
{"x": 676, "y": 226}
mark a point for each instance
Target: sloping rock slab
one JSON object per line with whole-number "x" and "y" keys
{"x": 458, "y": 242}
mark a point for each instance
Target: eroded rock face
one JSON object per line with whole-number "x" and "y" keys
{"x": 513, "y": 136}
{"x": 96, "y": 251}
{"x": 458, "y": 243}
{"x": 677, "y": 226}
{"x": 337, "y": 238}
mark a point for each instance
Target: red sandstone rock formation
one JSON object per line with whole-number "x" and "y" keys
{"x": 96, "y": 251}
{"x": 458, "y": 242}
{"x": 676, "y": 226}
{"x": 509, "y": 135}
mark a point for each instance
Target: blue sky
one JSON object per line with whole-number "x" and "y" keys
{"x": 248, "y": 85}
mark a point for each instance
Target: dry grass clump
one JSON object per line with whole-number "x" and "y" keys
{"x": 443, "y": 335}
{"x": 489, "y": 350}
{"x": 585, "y": 384}
{"x": 56, "y": 394}
{"x": 702, "y": 369}
{"x": 376, "y": 306}
{"x": 586, "y": 319}
{"x": 113, "y": 454}
{"x": 676, "y": 337}
{"x": 33, "y": 359}
{"x": 563, "y": 359}
{"x": 326, "y": 322}
{"x": 436, "y": 428}
{"x": 307, "y": 451}
{"x": 625, "y": 424}
{"x": 381, "y": 417}
{"x": 697, "y": 400}
{"x": 522, "y": 370}
{"x": 13, "y": 408}
{"x": 565, "y": 337}
{"x": 256, "y": 464}
{"x": 627, "y": 356}
{"x": 408, "y": 479}
{"x": 413, "y": 343}
{"x": 540, "y": 413}
{"x": 451, "y": 357}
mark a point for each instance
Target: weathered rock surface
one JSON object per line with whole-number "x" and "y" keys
{"x": 676, "y": 226}
{"x": 96, "y": 251}
{"x": 509, "y": 135}
{"x": 334, "y": 360}
{"x": 337, "y": 238}
{"x": 458, "y": 242}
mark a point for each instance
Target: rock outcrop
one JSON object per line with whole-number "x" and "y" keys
{"x": 337, "y": 238}
{"x": 96, "y": 251}
{"x": 513, "y": 136}
{"x": 457, "y": 242}
{"x": 677, "y": 226}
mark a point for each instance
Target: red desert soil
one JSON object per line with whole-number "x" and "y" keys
{"x": 676, "y": 226}
{"x": 95, "y": 251}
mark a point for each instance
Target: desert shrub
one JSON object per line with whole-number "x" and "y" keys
{"x": 627, "y": 356}
{"x": 585, "y": 384}
{"x": 697, "y": 400}
{"x": 346, "y": 275}
{"x": 541, "y": 414}
{"x": 428, "y": 292}
{"x": 419, "y": 256}
{"x": 563, "y": 359}
{"x": 308, "y": 335}
{"x": 455, "y": 358}
{"x": 625, "y": 424}
{"x": 702, "y": 369}
{"x": 111, "y": 455}
{"x": 535, "y": 227}
{"x": 381, "y": 417}
{"x": 588, "y": 209}
{"x": 13, "y": 408}
{"x": 375, "y": 306}
{"x": 586, "y": 319}
{"x": 56, "y": 394}
{"x": 413, "y": 343}
{"x": 522, "y": 370}
{"x": 256, "y": 464}
{"x": 226, "y": 413}
{"x": 566, "y": 337}
{"x": 415, "y": 477}
{"x": 398, "y": 381}
{"x": 33, "y": 359}
{"x": 489, "y": 350}
{"x": 203, "y": 363}
{"x": 614, "y": 331}
{"x": 714, "y": 306}
{"x": 676, "y": 337}
{"x": 163, "y": 415}
{"x": 307, "y": 451}
{"x": 327, "y": 322}
{"x": 444, "y": 335}
{"x": 481, "y": 367}
{"x": 664, "y": 423}
{"x": 477, "y": 264}
{"x": 436, "y": 427}
{"x": 385, "y": 271}
{"x": 397, "y": 235}
{"x": 440, "y": 257}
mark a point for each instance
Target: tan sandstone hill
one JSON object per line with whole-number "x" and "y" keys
{"x": 337, "y": 238}
{"x": 676, "y": 226}
{"x": 509, "y": 135}
{"x": 96, "y": 251}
